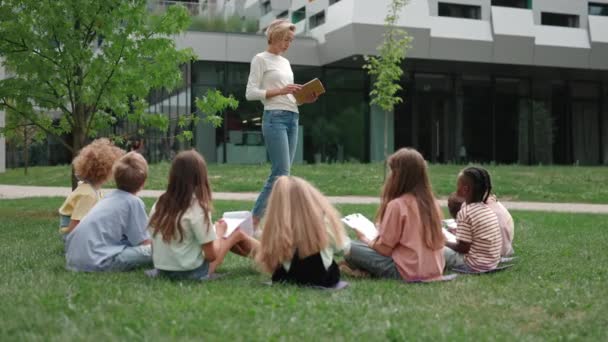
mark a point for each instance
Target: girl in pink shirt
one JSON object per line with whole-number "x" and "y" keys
{"x": 410, "y": 241}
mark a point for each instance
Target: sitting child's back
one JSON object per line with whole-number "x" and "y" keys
{"x": 478, "y": 225}
{"x": 101, "y": 234}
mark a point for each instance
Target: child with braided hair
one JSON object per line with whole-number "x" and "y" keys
{"x": 479, "y": 240}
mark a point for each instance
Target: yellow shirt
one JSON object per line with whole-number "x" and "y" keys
{"x": 80, "y": 201}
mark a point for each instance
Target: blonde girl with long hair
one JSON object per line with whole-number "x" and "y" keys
{"x": 186, "y": 244}
{"x": 410, "y": 240}
{"x": 301, "y": 234}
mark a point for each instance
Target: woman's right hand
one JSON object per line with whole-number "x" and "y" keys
{"x": 290, "y": 89}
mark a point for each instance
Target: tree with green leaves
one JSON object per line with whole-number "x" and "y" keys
{"x": 386, "y": 69}
{"x": 21, "y": 133}
{"x": 77, "y": 67}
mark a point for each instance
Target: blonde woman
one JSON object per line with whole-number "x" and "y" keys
{"x": 271, "y": 81}
{"x": 302, "y": 233}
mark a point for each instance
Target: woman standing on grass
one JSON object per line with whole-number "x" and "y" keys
{"x": 271, "y": 81}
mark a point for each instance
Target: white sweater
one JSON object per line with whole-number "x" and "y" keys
{"x": 270, "y": 71}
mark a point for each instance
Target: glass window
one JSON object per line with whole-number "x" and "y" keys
{"x": 559, "y": 19}
{"x": 266, "y": 7}
{"x": 283, "y": 14}
{"x": 512, "y": 3}
{"x": 208, "y": 73}
{"x": 459, "y": 11}
{"x": 331, "y": 2}
{"x": 298, "y": 15}
{"x": 598, "y": 9}
{"x": 344, "y": 79}
{"x": 317, "y": 19}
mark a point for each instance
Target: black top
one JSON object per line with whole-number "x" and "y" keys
{"x": 308, "y": 271}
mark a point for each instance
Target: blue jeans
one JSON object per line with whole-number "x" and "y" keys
{"x": 280, "y": 130}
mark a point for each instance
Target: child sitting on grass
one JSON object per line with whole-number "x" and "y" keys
{"x": 113, "y": 236}
{"x": 301, "y": 234}
{"x": 505, "y": 221}
{"x": 186, "y": 245}
{"x": 410, "y": 241}
{"x": 93, "y": 168}
{"x": 479, "y": 240}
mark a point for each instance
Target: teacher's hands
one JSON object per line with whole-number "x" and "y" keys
{"x": 312, "y": 97}
{"x": 290, "y": 89}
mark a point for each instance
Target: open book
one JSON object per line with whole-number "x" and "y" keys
{"x": 362, "y": 224}
{"x": 451, "y": 224}
{"x": 313, "y": 86}
{"x": 238, "y": 219}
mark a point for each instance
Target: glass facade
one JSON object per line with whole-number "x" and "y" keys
{"x": 466, "y": 112}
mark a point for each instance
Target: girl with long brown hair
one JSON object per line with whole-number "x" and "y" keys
{"x": 302, "y": 232}
{"x": 180, "y": 222}
{"x": 410, "y": 240}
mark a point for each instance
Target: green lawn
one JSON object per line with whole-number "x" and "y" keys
{"x": 556, "y": 291}
{"x": 517, "y": 183}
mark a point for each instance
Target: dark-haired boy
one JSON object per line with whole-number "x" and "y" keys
{"x": 478, "y": 237}
{"x": 113, "y": 236}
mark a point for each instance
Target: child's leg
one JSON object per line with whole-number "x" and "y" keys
{"x": 363, "y": 257}
{"x": 238, "y": 242}
{"x": 452, "y": 258}
{"x": 132, "y": 257}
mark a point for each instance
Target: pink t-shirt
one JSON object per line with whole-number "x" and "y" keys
{"x": 505, "y": 221}
{"x": 401, "y": 229}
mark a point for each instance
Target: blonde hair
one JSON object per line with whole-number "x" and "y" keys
{"x": 130, "y": 172}
{"x": 299, "y": 218}
{"x": 409, "y": 175}
{"x": 94, "y": 161}
{"x": 278, "y": 29}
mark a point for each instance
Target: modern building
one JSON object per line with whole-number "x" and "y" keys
{"x": 505, "y": 81}
{"x": 2, "y": 139}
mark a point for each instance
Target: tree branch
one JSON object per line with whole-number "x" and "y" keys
{"x": 46, "y": 130}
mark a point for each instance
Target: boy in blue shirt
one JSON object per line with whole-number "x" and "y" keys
{"x": 113, "y": 235}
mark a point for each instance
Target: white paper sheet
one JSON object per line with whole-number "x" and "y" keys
{"x": 362, "y": 224}
{"x": 238, "y": 219}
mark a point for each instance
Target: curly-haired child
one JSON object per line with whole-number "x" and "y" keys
{"x": 93, "y": 168}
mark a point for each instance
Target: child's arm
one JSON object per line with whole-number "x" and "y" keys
{"x": 459, "y": 246}
{"x": 70, "y": 227}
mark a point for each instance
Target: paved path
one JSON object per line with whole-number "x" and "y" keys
{"x": 17, "y": 191}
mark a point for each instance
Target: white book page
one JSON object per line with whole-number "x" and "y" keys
{"x": 449, "y": 236}
{"x": 362, "y": 224}
{"x": 238, "y": 219}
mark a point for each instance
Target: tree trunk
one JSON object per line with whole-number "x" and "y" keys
{"x": 78, "y": 141}
{"x": 26, "y": 155}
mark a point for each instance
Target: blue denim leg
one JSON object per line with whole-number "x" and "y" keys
{"x": 280, "y": 130}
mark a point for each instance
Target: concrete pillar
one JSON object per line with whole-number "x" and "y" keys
{"x": 377, "y": 127}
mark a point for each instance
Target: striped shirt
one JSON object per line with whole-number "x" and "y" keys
{"x": 478, "y": 225}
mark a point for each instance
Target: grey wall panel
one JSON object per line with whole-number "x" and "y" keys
{"x": 241, "y": 48}
{"x": 461, "y": 40}
{"x": 207, "y": 46}
{"x": 304, "y": 51}
{"x": 338, "y": 45}
{"x": 599, "y": 56}
{"x": 513, "y": 50}
{"x": 512, "y": 22}
{"x": 560, "y": 57}
{"x": 598, "y": 29}
{"x": 561, "y": 47}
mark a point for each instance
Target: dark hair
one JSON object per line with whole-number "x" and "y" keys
{"x": 188, "y": 181}
{"x": 479, "y": 179}
{"x": 454, "y": 204}
{"x": 130, "y": 172}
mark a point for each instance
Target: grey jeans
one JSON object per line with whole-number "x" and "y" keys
{"x": 362, "y": 257}
{"x": 132, "y": 257}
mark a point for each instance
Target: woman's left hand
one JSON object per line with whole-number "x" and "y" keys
{"x": 311, "y": 98}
